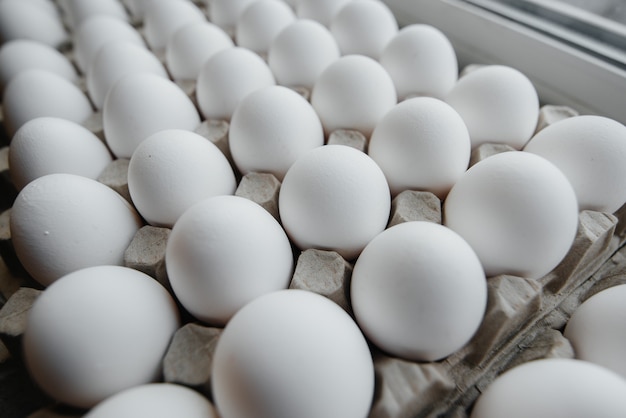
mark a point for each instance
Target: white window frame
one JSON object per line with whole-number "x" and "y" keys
{"x": 562, "y": 74}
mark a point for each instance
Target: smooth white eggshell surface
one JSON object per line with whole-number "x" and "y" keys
{"x": 554, "y": 388}
{"x": 590, "y": 150}
{"x": 98, "y": 331}
{"x": 354, "y": 92}
{"x": 421, "y": 61}
{"x": 596, "y": 329}
{"x": 300, "y": 52}
{"x": 164, "y": 17}
{"x": 26, "y": 19}
{"x": 499, "y": 104}
{"x": 155, "y": 400}
{"x": 224, "y": 252}
{"x": 52, "y": 145}
{"x": 77, "y": 11}
{"x": 418, "y": 291}
{"x": 336, "y": 198}
{"x": 141, "y": 104}
{"x": 517, "y": 210}
{"x": 271, "y": 128}
{"x": 260, "y": 22}
{"x": 319, "y": 10}
{"x": 64, "y": 222}
{"x": 225, "y": 13}
{"x": 292, "y": 353}
{"x": 421, "y": 143}
{"x": 227, "y": 77}
{"x": 173, "y": 169}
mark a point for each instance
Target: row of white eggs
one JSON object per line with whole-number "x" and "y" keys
{"x": 328, "y": 168}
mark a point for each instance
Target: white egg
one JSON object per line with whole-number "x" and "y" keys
{"x": 226, "y": 78}
{"x": 77, "y": 11}
{"x": 336, "y": 198}
{"x": 517, "y": 210}
{"x": 95, "y": 32}
{"x": 354, "y": 92}
{"x": 191, "y": 46}
{"x": 62, "y": 222}
{"x": 35, "y": 93}
{"x": 260, "y": 22}
{"x": 553, "y": 388}
{"x": 29, "y": 19}
{"x": 141, "y": 104}
{"x": 596, "y": 329}
{"x": 155, "y": 400}
{"x": 164, "y": 17}
{"x": 225, "y": 13}
{"x": 421, "y": 61}
{"x": 300, "y": 52}
{"x": 321, "y": 11}
{"x": 52, "y": 145}
{"x": 87, "y": 337}
{"x": 224, "y": 252}
{"x": 499, "y": 104}
{"x": 292, "y": 353}
{"x": 422, "y": 144}
{"x": 115, "y": 60}
{"x": 271, "y": 128}
{"x": 591, "y": 151}
{"x": 173, "y": 169}
{"x": 364, "y": 27}
{"x": 418, "y": 291}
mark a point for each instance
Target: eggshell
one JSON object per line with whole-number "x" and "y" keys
{"x": 87, "y": 337}
{"x": 156, "y": 400}
{"x": 364, "y": 27}
{"x": 173, "y": 169}
{"x": 422, "y": 144}
{"x": 354, "y": 92}
{"x": 260, "y": 22}
{"x": 554, "y": 388}
{"x": 224, "y": 13}
{"x": 418, "y": 291}
{"x": 322, "y": 369}
{"x": 141, "y": 104}
{"x": 421, "y": 61}
{"x": 591, "y": 151}
{"x": 164, "y": 17}
{"x": 334, "y": 197}
{"x": 300, "y": 52}
{"x": 226, "y": 78}
{"x": 499, "y": 104}
{"x": 34, "y": 93}
{"x": 271, "y": 128}
{"x": 517, "y": 210}
{"x": 29, "y": 19}
{"x": 77, "y": 11}
{"x": 53, "y": 145}
{"x": 62, "y": 222}
{"x": 223, "y": 252}
{"x": 321, "y": 11}
{"x": 596, "y": 329}
{"x": 191, "y": 46}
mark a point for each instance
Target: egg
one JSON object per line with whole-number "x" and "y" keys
{"x": 115, "y": 60}
{"x": 292, "y": 353}
{"x": 141, "y": 104}
{"x": 88, "y": 338}
{"x": 77, "y": 11}
{"x": 364, "y": 27}
{"x": 553, "y": 388}
{"x": 156, "y": 400}
{"x": 499, "y": 104}
{"x": 590, "y": 150}
{"x": 35, "y": 93}
{"x": 225, "y": 13}
{"x": 30, "y": 19}
{"x": 271, "y": 128}
{"x": 300, "y": 52}
{"x": 224, "y": 252}
{"x": 517, "y": 210}
{"x": 596, "y": 329}
{"x": 421, "y": 143}
{"x": 421, "y": 62}
{"x": 173, "y": 169}
{"x": 354, "y": 92}
{"x": 226, "y": 78}
{"x": 52, "y": 145}
{"x": 321, "y": 11}
{"x": 336, "y": 198}
{"x": 260, "y": 22}
{"x": 418, "y": 291}
{"x": 164, "y": 17}
{"x": 191, "y": 46}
